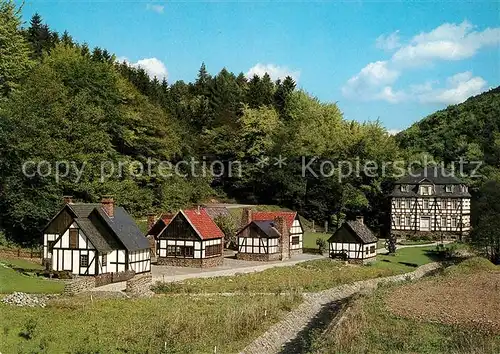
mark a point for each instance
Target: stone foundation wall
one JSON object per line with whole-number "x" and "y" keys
{"x": 296, "y": 251}
{"x": 431, "y": 235}
{"x": 108, "y": 278}
{"x": 79, "y": 285}
{"x": 140, "y": 285}
{"x": 191, "y": 262}
{"x": 261, "y": 257}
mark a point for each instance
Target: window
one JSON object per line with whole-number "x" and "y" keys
{"x": 425, "y": 190}
{"x": 408, "y": 221}
{"x": 213, "y": 250}
{"x": 443, "y": 221}
{"x": 407, "y": 203}
{"x": 399, "y": 203}
{"x": 404, "y": 188}
{"x": 73, "y": 238}
{"x": 50, "y": 245}
{"x": 295, "y": 240}
{"x": 84, "y": 260}
{"x": 455, "y": 204}
{"x": 449, "y": 188}
{"x": 454, "y": 222}
{"x": 372, "y": 249}
{"x": 426, "y": 203}
{"x": 104, "y": 259}
{"x": 180, "y": 251}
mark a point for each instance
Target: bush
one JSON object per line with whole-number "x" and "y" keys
{"x": 321, "y": 243}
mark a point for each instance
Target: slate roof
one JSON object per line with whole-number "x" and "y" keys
{"x": 289, "y": 216}
{"x": 267, "y": 227}
{"x": 215, "y": 212}
{"x": 202, "y": 223}
{"x": 125, "y": 228}
{"x": 358, "y": 229}
{"x": 434, "y": 174}
{"x": 121, "y": 228}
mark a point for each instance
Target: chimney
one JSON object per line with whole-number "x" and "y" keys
{"x": 198, "y": 210}
{"x": 246, "y": 218}
{"x": 360, "y": 219}
{"x": 281, "y": 226}
{"x": 68, "y": 199}
{"x": 108, "y": 204}
{"x": 151, "y": 220}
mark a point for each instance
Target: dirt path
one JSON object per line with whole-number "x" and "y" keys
{"x": 281, "y": 336}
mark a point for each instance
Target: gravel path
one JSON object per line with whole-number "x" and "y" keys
{"x": 275, "y": 340}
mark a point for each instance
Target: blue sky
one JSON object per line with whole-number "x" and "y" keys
{"x": 391, "y": 60}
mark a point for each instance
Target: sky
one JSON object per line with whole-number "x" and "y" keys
{"x": 394, "y": 61}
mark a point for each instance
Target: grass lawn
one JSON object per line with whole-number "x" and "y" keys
{"x": 158, "y": 325}
{"x": 308, "y": 276}
{"x": 309, "y": 240}
{"x": 372, "y": 327}
{"x": 13, "y": 278}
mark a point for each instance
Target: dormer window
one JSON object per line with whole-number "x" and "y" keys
{"x": 404, "y": 188}
{"x": 425, "y": 190}
{"x": 449, "y": 188}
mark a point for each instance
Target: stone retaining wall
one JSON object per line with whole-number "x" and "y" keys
{"x": 191, "y": 262}
{"x": 140, "y": 285}
{"x": 261, "y": 257}
{"x": 79, "y": 285}
{"x": 286, "y": 330}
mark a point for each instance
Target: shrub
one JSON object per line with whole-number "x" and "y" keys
{"x": 321, "y": 243}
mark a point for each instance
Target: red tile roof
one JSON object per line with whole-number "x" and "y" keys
{"x": 167, "y": 218}
{"x": 289, "y": 216}
{"x": 203, "y": 224}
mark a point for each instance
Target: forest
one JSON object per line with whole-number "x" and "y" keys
{"x": 63, "y": 101}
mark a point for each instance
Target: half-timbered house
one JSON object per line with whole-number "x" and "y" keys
{"x": 430, "y": 202}
{"x": 266, "y": 237}
{"x": 94, "y": 239}
{"x": 354, "y": 242}
{"x": 190, "y": 239}
{"x": 291, "y": 218}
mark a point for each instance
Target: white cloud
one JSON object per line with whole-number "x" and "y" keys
{"x": 389, "y": 95}
{"x": 458, "y": 88}
{"x": 393, "y": 131}
{"x": 388, "y": 42}
{"x": 156, "y": 8}
{"x": 152, "y": 66}
{"x": 446, "y": 42}
{"x": 366, "y": 83}
{"x": 274, "y": 71}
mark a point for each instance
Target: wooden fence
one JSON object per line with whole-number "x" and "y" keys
{"x": 21, "y": 253}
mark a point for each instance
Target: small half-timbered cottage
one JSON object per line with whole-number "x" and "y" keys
{"x": 190, "y": 239}
{"x": 430, "y": 202}
{"x": 94, "y": 239}
{"x": 354, "y": 242}
{"x": 295, "y": 231}
{"x": 264, "y": 240}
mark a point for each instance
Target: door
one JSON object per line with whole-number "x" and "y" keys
{"x": 425, "y": 223}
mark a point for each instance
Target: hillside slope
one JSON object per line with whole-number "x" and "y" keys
{"x": 470, "y": 130}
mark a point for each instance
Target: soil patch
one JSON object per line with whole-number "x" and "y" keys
{"x": 471, "y": 300}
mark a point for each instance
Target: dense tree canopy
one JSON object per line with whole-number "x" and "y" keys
{"x": 62, "y": 101}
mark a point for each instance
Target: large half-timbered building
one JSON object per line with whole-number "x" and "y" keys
{"x": 94, "y": 239}
{"x": 190, "y": 239}
{"x": 353, "y": 241}
{"x": 430, "y": 202}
